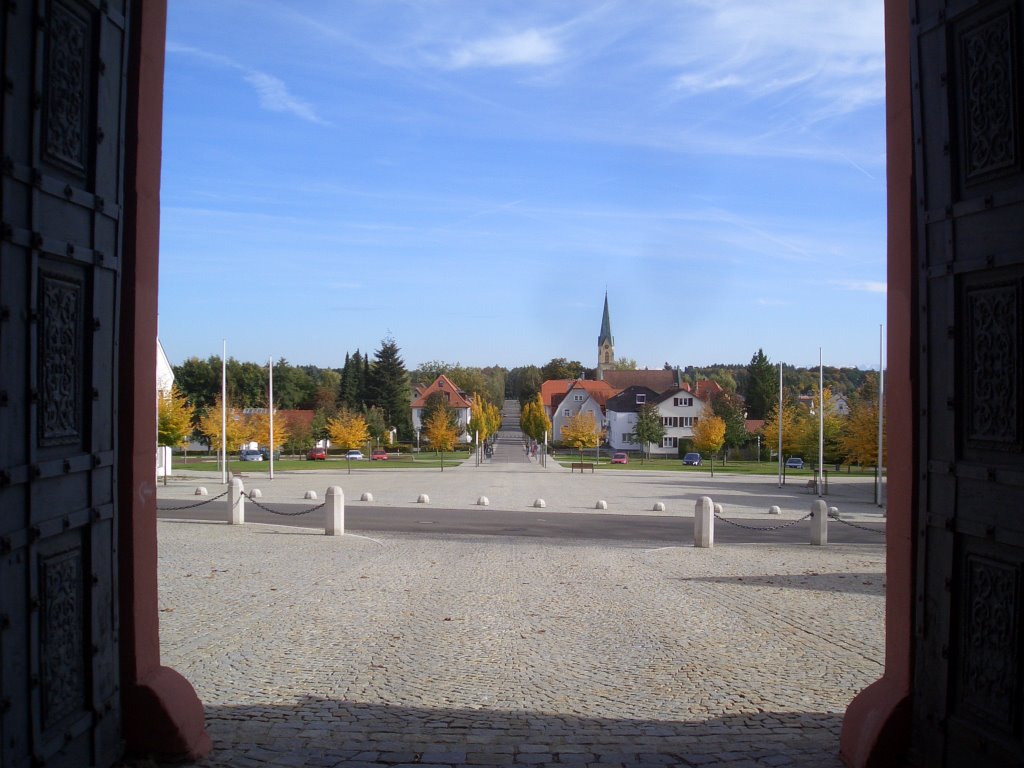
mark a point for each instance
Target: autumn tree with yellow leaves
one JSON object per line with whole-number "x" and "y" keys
{"x": 174, "y": 418}
{"x": 348, "y": 430}
{"x": 581, "y": 431}
{"x": 210, "y": 427}
{"x": 441, "y": 433}
{"x": 709, "y": 435}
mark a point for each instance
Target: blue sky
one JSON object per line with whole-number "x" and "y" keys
{"x": 470, "y": 177}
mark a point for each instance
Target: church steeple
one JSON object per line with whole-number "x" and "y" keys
{"x": 605, "y": 343}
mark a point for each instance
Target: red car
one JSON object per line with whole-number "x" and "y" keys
{"x": 379, "y": 454}
{"x": 620, "y": 458}
{"x": 317, "y": 454}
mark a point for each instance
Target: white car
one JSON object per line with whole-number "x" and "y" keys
{"x": 248, "y": 454}
{"x": 354, "y": 456}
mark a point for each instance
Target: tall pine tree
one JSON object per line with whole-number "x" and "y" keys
{"x": 388, "y": 387}
{"x": 762, "y": 386}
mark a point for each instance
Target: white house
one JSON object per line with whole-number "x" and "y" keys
{"x": 456, "y": 398}
{"x": 680, "y": 408}
{"x": 581, "y": 397}
{"x": 621, "y": 411}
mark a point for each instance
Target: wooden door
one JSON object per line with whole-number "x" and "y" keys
{"x": 63, "y": 101}
{"x": 969, "y": 646}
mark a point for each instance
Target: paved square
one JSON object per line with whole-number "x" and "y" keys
{"x": 463, "y": 650}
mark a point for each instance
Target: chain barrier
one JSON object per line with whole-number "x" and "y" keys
{"x": 284, "y": 514}
{"x": 833, "y": 516}
{"x": 193, "y": 506}
{"x": 764, "y": 527}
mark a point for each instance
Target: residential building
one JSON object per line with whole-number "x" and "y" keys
{"x": 582, "y": 396}
{"x": 621, "y": 415}
{"x": 459, "y": 401}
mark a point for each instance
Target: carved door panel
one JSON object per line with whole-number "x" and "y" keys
{"x": 61, "y": 113}
{"x": 969, "y": 167}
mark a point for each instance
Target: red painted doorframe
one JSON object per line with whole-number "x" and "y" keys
{"x": 876, "y": 728}
{"x": 161, "y": 711}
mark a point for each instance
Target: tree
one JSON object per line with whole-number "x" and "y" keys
{"x": 807, "y": 425}
{"x": 388, "y": 387}
{"x": 376, "y": 425}
{"x": 649, "y": 428}
{"x": 533, "y": 420}
{"x": 258, "y": 429}
{"x": 210, "y": 426}
{"x": 440, "y": 432}
{"x": 560, "y": 368}
{"x": 484, "y": 419}
{"x": 300, "y": 436}
{"x": 581, "y": 431}
{"x": 198, "y": 380}
{"x": 523, "y": 383}
{"x": 436, "y": 402}
{"x": 859, "y": 441}
{"x": 174, "y": 418}
{"x": 624, "y": 364}
{"x": 762, "y": 388}
{"x": 731, "y": 409}
{"x": 709, "y": 435}
{"x": 348, "y": 430}
{"x": 790, "y": 434}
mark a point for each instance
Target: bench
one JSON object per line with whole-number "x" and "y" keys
{"x": 573, "y": 467}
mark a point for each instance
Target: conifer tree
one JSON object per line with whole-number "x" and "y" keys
{"x": 388, "y": 387}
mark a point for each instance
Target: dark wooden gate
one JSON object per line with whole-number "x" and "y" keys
{"x": 63, "y": 101}
{"x": 969, "y": 166}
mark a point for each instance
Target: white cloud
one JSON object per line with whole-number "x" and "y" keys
{"x": 529, "y": 48}
{"x": 865, "y": 286}
{"x": 274, "y": 96}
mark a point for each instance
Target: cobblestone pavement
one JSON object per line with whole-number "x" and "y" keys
{"x": 410, "y": 649}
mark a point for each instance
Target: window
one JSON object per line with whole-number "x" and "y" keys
{"x": 670, "y": 442}
{"x": 641, "y": 399}
{"x": 578, "y": 398}
{"x": 566, "y": 413}
{"x": 627, "y": 437}
{"x": 687, "y": 421}
{"x": 682, "y": 401}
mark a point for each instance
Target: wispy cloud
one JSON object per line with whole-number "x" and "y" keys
{"x": 531, "y": 47}
{"x": 272, "y": 92}
{"x": 865, "y": 286}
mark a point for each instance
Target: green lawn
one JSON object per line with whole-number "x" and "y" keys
{"x": 732, "y": 467}
{"x": 333, "y": 463}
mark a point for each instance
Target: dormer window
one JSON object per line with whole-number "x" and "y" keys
{"x": 641, "y": 399}
{"x": 578, "y": 398}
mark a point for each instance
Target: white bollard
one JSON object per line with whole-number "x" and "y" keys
{"x": 773, "y": 510}
{"x": 819, "y": 523}
{"x": 718, "y": 509}
{"x": 335, "y": 506}
{"x": 255, "y": 493}
{"x": 483, "y": 501}
{"x": 704, "y": 523}
{"x": 659, "y": 506}
{"x": 236, "y": 502}
{"x": 367, "y": 496}
{"x": 201, "y": 491}
{"x": 311, "y": 495}
{"x": 833, "y": 512}
{"x": 601, "y": 504}
{"x": 539, "y": 503}
{"x": 423, "y": 499}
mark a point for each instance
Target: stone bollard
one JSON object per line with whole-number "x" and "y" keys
{"x": 423, "y": 499}
{"x": 201, "y": 491}
{"x": 335, "y": 506}
{"x": 483, "y": 501}
{"x": 236, "y": 502}
{"x": 311, "y": 495}
{"x": 773, "y": 510}
{"x": 833, "y": 512}
{"x": 367, "y": 496}
{"x": 704, "y": 523}
{"x": 255, "y": 493}
{"x": 659, "y": 506}
{"x": 539, "y": 503}
{"x": 819, "y": 523}
{"x": 601, "y": 504}
{"x": 718, "y": 509}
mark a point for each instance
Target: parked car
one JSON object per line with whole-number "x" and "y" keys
{"x": 354, "y": 456}
{"x": 316, "y": 454}
{"x": 620, "y": 458}
{"x": 250, "y": 454}
{"x": 265, "y": 453}
{"x": 794, "y": 462}
{"x": 378, "y": 454}
{"x": 693, "y": 459}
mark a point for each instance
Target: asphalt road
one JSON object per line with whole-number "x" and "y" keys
{"x": 634, "y": 529}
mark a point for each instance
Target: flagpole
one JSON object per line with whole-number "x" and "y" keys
{"x": 821, "y": 426}
{"x": 224, "y": 413}
{"x": 270, "y": 401}
{"x": 881, "y": 406}
{"x": 779, "y": 420}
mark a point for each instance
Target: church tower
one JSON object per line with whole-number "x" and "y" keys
{"x": 605, "y": 343}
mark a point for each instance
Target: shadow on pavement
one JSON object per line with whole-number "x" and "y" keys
{"x": 868, "y": 583}
{"x": 322, "y": 732}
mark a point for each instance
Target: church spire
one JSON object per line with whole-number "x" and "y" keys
{"x": 605, "y": 343}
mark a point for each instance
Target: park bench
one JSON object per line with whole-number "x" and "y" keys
{"x": 577, "y": 465}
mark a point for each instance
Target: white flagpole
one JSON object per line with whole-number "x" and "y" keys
{"x": 881, "y": 406}
{"x": 779, "y": 420}
{"x": 224, "y": 413}
{"x": 270, "y": 402}
{"x": 821, "y": 426}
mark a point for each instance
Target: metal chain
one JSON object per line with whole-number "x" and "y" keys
{"x": 193, "y": 506}
{"x": 854, "y": 525}
{"x": 285, "y": 514}
{"x": 765, "y": 527}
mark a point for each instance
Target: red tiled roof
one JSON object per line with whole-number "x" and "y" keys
{"x": 442, "y": 384}
{"x": 753, "y": 425}
{"x": 658, "y": 380}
